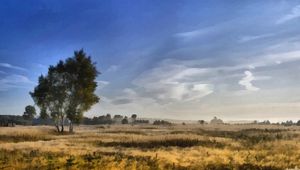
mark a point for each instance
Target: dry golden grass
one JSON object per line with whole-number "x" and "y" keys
{"x": 151, "y": 147}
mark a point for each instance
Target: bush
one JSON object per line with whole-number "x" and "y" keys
{"x": 161, "y": 122}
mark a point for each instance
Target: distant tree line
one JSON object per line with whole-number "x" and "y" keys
{"x": 265, "y": 122}
{"x": 286, "y": 123}
{"x": 11, "y": 120}
{"x": 161, "y": 122}
{"x": 116, "y": 119}
{"x": 290, "y": 123}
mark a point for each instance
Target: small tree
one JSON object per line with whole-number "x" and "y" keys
{"x": 266, "y": 122}
{"x": 133, "y": 116}
{"x": 29, "y": 112}
{"x": 67, "y": 91}
{"x": 125, "y": 120}
{"x": 81, "y": 86}
{"x": 201, "y": 122}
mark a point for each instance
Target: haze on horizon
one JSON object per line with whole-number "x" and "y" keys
{"x": 161, "y": 59}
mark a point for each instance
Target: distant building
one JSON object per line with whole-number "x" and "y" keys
{"x": 215, "y": 120}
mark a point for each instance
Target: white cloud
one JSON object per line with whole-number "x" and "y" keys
{"x": 6, "y": 65}
{"x": 295, "y": 13}
{"x": 247, "y": 81}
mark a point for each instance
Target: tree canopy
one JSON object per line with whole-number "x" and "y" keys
{"x": 68, "y": 90}
{"x": 29, "y": 112}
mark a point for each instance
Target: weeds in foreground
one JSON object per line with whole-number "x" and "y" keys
{"x": 175, "y": 147}
{"x": 106, "y": 160}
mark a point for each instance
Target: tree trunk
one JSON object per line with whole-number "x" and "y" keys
{"x": 71, "y": 127}
{"x": 62, "y": 125}
{"x": 62, "y": 128}
{"x": 57, "y": 127}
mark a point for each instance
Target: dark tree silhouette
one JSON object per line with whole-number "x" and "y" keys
{"x": 201, "y": 122}
{"x": 125, "y": 120}
{"x": 81, "y": 85}
{"x": 133, "y": 116}
{"x": 68, "y": 90}
{"x": 29, "y": 112}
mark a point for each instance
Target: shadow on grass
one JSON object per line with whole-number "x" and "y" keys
{"x": 23, "y": 138}
{"x": 163, "y": 143}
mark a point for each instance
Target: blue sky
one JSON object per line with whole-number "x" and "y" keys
{"x": 163, "y": 59}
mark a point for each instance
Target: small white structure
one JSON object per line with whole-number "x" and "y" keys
{"x": 215, "y": 120}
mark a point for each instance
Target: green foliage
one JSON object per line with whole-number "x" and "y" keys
{"x": 70, "y": 161}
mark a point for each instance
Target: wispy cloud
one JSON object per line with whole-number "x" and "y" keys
{"x": 7, "y": 65}
{"x": 102, "y": 84}
{"x": 193, "y": 34}
{"x": 122, "y": 101}
{"x": 295, "y": 13}
{"x": 112, "y": 68}
{"x": 130, "y": 97}
{"x": 171, "y": 82}
{"x": 247, "y": 81}
{"x": 198, "y": 33}
{"x": 14, "y": 81}
{"x": 248, "y": 38}
{"x": 42, "y": 66}
{"x": 284, "y": 56}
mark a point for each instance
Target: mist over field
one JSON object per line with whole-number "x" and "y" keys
{"x": 149, "y": 84}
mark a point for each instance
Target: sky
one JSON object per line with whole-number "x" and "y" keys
{"x": 189, "y": 60}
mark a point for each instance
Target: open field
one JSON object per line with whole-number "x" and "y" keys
{"x": 151, "y": 147}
